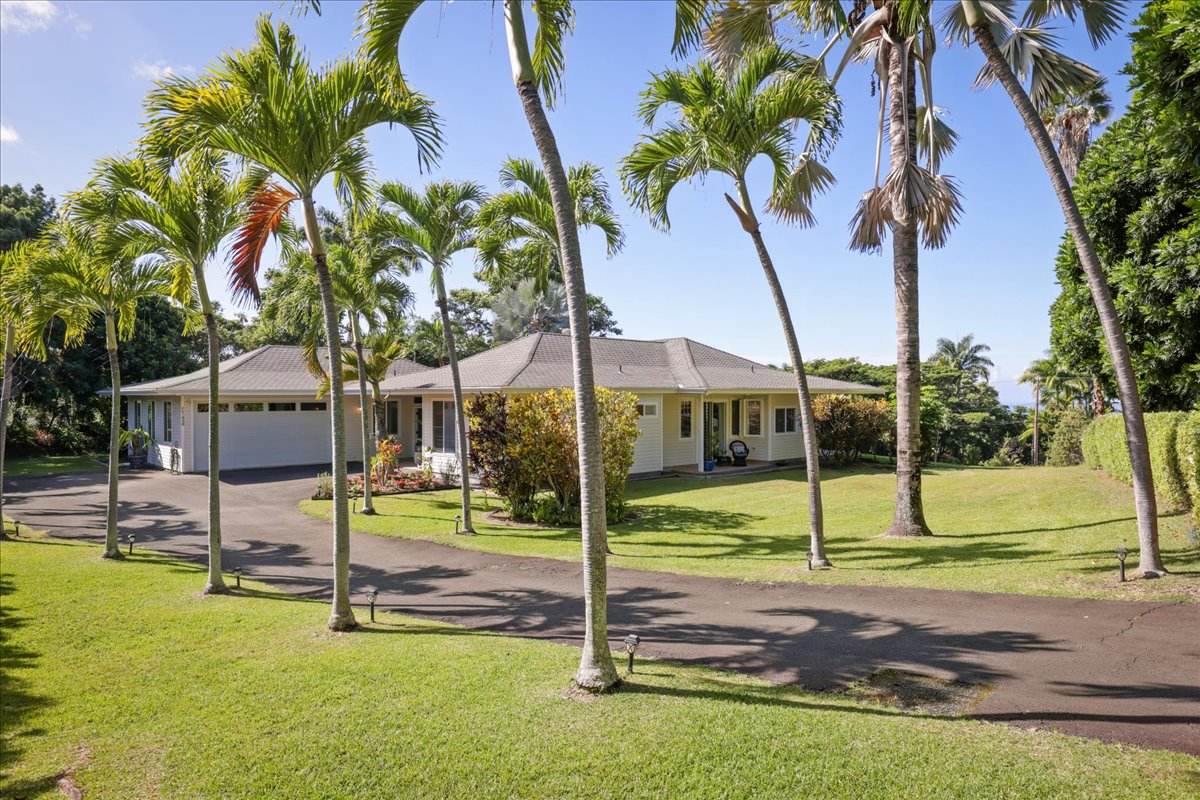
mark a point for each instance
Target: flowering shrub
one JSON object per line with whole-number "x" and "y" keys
{"x": 383, "y": 465}
{"x": 398, "y": 483}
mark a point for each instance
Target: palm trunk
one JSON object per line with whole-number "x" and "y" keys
{"x": 1149, "y": 558}
{"x": 377, "y": 403}
{"x": 1097, "y": 398}
{"x": 596, "y": 669}
{"x": 909, "y": 517}
{"x": 808, "y": 430}
{"x": 341, "y": 617}
{"x": 368, "y": 507}
{"x": 215, "y": 583}
{"x": 5, "y": 402}
{"x": 1037, "y": 405}
{"x": 460, "y": 416}
{"x": 112, "y": 547}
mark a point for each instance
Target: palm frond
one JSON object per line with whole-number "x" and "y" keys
{"x": 264, "y": 216}
{"x": 555, "y": 21}
{"x": 1101, "y": 18}
{"x": 870, "y": 222}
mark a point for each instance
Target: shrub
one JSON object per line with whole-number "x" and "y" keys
{"x": 848, "y": 425}
{"x": 1187, "y": 451}
{"x": 324, "y": 488}
{"x": 383, "y": 464}
{"x": 526, "y": 445}
{"x": 1104, "y": 447}
{"x": 1066, "y": 446}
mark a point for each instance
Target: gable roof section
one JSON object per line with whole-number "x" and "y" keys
{"x": 273, "y": 369}
{"x": 543, "y": 361}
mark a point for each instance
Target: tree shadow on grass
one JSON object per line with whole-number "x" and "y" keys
{"x": 18, "y": 702}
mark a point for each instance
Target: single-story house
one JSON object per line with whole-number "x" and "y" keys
{"x": 693, "y": 399}
{"x": 270, "y": 413}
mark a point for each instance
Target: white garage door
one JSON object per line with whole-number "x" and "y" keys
{"x": 282, "y": 433}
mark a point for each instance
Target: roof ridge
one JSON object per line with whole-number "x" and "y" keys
{"x": 690, "y": 363}
{"x": 750, "y": 361}
{"x": 537, "y": 336}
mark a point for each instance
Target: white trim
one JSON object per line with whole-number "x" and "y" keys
{"x": 775, "y": 420}
{"x": 691, "y": 404}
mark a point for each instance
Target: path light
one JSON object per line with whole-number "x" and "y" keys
{"x": 1121, "y": 554}
{"x": 129, "y": 539}
{"x": 809, "y": 556}
{"x": 631, "y": 645}
{"x": 457, "y": 522}
{"x": 372, "y": 596}
{"x": 237, "y": 576}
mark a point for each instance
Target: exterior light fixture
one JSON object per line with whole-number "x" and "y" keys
{"x": 457, "y": 522}
{"x": 1121, "y": 554}
{"x": 631, "y": 645}
{"x": 372, "y": 596}
{"x": 130, "y": 539}
{"x": 237, "y": 576}
{"x": 809, "y": 556}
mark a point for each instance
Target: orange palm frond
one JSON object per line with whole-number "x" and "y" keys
{"x": 268, "y": 209}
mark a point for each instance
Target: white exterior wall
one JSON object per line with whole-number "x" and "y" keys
{"x": 785, "y": 446}
{"x": 648, "y": 450}
{"x": 678, "y": 451}
{"x": 760, "y": 446}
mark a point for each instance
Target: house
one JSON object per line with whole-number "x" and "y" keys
{"x": 270, "y": 413}
{"x": 693, "y": 399}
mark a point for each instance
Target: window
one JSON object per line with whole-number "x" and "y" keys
{"x": 137, "y": 414}
{"x": 150, "y": 419}
{"x": 444, "y": 438}
{"x": 754, "y": 418}
{"x": 281, "y": 406}
{"x": 167, "y": 421}
{"x": 685, "y": 419}
{"x": 735, "y": 418}
{"x": 202, "y": 408}
{"x": 785, "y": 420}
{"x": 247, "y": 406}
{"x": 313, "y": 407}
{"x": 647, "y": 409}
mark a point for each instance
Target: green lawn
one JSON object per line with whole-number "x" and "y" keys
{"x": 121, "y": 678}
{"x": 1048, "y": 531}
{"x": 53, "y": 465}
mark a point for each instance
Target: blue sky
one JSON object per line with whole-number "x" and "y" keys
{"x": 72, "y": 78}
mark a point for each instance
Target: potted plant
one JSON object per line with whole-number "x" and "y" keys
{"x": 714, "y": 453}
{"x": 138, "y": 441}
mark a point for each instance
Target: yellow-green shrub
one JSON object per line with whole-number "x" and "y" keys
{"x": 1187, "y": 449}
{"x": 1104, "y": 447}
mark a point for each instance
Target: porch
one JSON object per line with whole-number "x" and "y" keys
{"x": 726, "y": 470}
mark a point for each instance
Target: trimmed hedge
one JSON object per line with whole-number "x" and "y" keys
{"x": 1174, "y": 453}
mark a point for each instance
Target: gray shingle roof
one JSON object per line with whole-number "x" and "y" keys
{"x": 543, "y": 360}
{"x": 273, "y": 369}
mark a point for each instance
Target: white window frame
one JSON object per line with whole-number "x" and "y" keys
{"x": 440, "y": 408}
{"x": 650, "y": 406}
{"x": 150, "y": 420}
{"x": 761, "y": 412}
{"x": 168, "y": 424}
{"x": 795, "y": 420}
{"x": 691, "y": 415}
{"x": 137, "y": 414}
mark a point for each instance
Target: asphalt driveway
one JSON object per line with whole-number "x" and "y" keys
{"x": 1119, "y": 671}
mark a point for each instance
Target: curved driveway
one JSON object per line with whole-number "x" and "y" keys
{"x": 1119, "y": 671}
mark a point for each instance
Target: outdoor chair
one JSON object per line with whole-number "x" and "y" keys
{"x": 739, "y": 451}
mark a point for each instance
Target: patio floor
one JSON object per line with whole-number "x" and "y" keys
{"x": 752, "y": 465}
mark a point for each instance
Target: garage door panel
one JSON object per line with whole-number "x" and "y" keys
{"x": 273, "y": 438}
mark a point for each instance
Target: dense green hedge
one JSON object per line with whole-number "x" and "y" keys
{"x": 1174, "y": 453}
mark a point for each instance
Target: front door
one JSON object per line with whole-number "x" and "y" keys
{"x": 714, "y": 430}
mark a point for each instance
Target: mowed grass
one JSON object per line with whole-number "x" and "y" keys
{"x": 25, "y": 466}
{"x": 1045, "y": 531}
{"x": 121, "y": 680}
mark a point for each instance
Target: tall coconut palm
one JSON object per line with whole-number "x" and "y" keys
{"x": 537, "y": 73}
{"x": 518, "y": 229}
{"x": 1019, "y": 54}
{"x": 1070, "y": 117}
{"x": 296, "y": 127}
{"x": 434, "y": 225}
{"x": 83, "y": 271}
{"x": 917, "y": 204}
{"x": 16, "y": 297}
{"x": 182, "y": 216}
{"x": 1038, "y": 374}
{"x": 966, "y": 357}
{"x": 526, "y": 308}
{"x": 723, "y": 122}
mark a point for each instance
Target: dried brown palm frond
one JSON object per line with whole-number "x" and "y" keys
{"x": 869, "y": 224}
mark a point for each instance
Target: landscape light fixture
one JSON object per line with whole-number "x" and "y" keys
{"x": 237, "y": 576}
{"x": 1121, "y": 554}
{"x": 129, "y": 539}
{"x": 809, "y": 556}
{"x": 372, "y": 596}
{"x": 457, "y": 522}
{"x": 631, "y": 645}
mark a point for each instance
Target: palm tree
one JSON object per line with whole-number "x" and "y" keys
{"x": 182, "y": 216}
{"x": 83, "y": 271}
{"x": 434, "y": 225}
{"x": 427, "y": 341}
{"x": 722, "y": 123}
{"x": 518, "y": 229}
{"x": 1038, "y": 373}
{"x": 382, "y": 348}
{"x": 295, "y": 126}
{"x": 913, "y": 202}
{"x": 1070, "y": 116}
{"x": 525, "y": 308}
{"x": 1026, "y": 52}
{"x": 537, "y": 71}
{"x": 966, "y": 357}
{"x": 16, "y": 296}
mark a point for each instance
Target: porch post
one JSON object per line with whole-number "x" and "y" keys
{"x": 699, "y": 431}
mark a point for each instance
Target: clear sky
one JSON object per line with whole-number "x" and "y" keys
{"x": 72, "y": 78}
